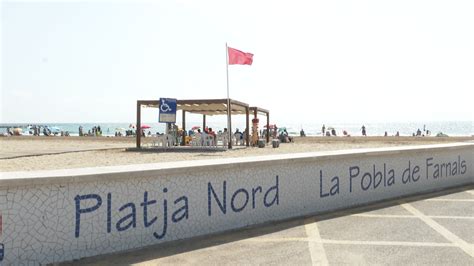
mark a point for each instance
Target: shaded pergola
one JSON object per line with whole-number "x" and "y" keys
{"x": 207, "y": 107}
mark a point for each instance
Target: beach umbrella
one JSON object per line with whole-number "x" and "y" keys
{"x": 195, "y": 127}
{"x": 145, "y": 126}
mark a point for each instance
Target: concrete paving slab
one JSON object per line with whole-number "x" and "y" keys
{"x": 395, "y": 255}
{"x": 297, "y": 231}
{"x": 391, "y": 210}
{"x": 245, "y": 253}
{"x": 463, "y": 228}
{"x": 241, "y": 252}
{"x": 445, "y": 208}
{"x": 378, "y": 229}
{"x": 459, "y": 195}
{"x": 285, "y": 229}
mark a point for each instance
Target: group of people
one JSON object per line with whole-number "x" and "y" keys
{"x": 396, "y": 134}
{"x": 205, "y": 135}
{"x": 426, "y": 132}
{"x": 207, "y": 131}
{"x": 284, "y": 137}
{"x": 178, "y": 134}
{"x": 35, "y": 130}
{"x": 332, "y": 132}
{"x": 12, "y": 132}
{"x": 95, "y": 131}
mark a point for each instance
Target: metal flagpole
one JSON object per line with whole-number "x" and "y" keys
{"x": 229, "y": 123}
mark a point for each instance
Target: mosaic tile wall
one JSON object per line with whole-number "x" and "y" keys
{"x": 68, "y": 220}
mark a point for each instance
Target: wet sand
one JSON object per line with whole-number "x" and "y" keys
{"x": 44, "y": 153}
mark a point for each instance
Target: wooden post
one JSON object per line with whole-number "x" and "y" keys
{"x": 138, "y": 125}
{"x": 184, "y": 128}
{"x": 268, "y": 127}
{"x": 247, "y": 138}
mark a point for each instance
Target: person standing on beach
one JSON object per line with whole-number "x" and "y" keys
{"x": 364, "y": 133}
{"x": 323, "y": 129}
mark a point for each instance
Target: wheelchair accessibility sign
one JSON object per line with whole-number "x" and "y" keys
{"x": 168, "y": 108}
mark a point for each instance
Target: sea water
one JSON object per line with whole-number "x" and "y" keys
{"x": 451, "y": 128}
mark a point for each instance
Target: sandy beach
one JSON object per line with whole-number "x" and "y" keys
{"x": 43, "y": 153}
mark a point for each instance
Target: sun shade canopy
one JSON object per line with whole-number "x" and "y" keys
{"x": 206, "y": 107}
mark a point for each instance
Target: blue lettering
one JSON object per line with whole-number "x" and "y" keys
{"x": 165, "y": 219}
{"x": 428, "y": 164}
{"x": 362, "y": 181}
{"x": 276, "y": 198}
{"x": 353, "y": 175}
{"x": 416, "y": 177}
{"x": 335, "y": 187}
{"x": 232, "y": 205}
{"x": 321, "y": 194}
{"x": 132, "y": 215}
{"x": 463, "y": 167}
{"x": 109, "y": 212}
{"x": 406, "y": 176}
{"x": 223, "y": 205}
{"x": 255, "y": 190}
{"x": 184, "y": 210}
{"x": 379, "y": 175}
{"x": 145, "y": 205}
{"x": 80, "y": 211}
{"x": 391, "y": 178}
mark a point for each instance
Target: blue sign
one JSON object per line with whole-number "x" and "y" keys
{"x": 168, "y": 109}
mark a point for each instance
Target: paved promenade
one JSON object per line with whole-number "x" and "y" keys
{"x": 433, "y": 229}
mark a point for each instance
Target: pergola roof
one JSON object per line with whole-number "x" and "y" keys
{"x": 259, "y": 110}
{"x": 212, "y": 107}
{"x": 206, "y": 106}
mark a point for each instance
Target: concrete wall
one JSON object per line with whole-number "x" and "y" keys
{"x": 51, "y": 216}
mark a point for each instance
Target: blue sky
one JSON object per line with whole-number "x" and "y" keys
{"x": 89, "y": 61}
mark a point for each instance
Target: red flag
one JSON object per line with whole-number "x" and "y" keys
{"x": 237, "y": 57}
